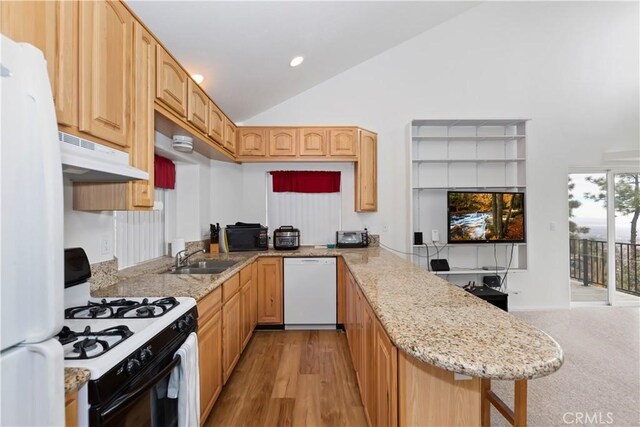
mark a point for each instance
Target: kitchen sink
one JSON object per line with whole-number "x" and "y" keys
{"x": 209, "y": 266}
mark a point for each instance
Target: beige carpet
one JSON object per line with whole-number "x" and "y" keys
{"x": 599, "y": 383}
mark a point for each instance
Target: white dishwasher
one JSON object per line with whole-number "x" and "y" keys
{"x": 310, "y": 293}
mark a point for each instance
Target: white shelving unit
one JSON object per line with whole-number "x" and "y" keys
{"x": 465, "y": 155}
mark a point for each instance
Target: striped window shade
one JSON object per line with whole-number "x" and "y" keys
{"x": 316, "y": 215}
{"x": 140, "y": 235}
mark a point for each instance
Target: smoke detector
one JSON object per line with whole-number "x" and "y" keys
{"x": 182, "y": 143}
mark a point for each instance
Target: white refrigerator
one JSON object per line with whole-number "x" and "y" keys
{"x": 31, "y": 242}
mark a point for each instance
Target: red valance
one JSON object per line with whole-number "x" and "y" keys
{"x": 164, "y": 172}
{"x": 306, "y": 181}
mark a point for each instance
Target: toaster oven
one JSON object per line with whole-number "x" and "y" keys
{"x": 352, "y": 239}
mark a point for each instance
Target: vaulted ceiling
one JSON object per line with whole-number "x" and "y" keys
{"x": 243, "y": 49}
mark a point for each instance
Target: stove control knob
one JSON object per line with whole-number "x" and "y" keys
{"x": 132, "y": 367}
{"x": 145, "y": 355}
{"x": 189, "y": 319}
{"x": 182, "y": 325}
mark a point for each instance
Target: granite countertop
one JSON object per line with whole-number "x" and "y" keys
{"x": 425, "y": 316}
{"x": 74, "y": 378}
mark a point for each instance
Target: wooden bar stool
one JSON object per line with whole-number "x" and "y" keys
{"x": 517, "y": 416}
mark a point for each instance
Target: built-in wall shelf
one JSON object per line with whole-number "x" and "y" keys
{"x": 462, "y": 245}
{"x": 502, "y": 187}
{"x": 464, "y": 155}
{"x": 519, "y": 159}
{"x": 473, "y": 272}
{"x": 468, "y": 138}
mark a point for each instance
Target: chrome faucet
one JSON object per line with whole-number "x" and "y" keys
{"x": 181, "y": 260}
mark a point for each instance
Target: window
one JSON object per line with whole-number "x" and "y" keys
{"x": 316, "y": 215}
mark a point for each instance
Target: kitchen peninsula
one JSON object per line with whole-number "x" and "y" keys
{"x": 443, "y": 341}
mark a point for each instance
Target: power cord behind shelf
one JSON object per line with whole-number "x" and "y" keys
{"x": 438, "y": 249}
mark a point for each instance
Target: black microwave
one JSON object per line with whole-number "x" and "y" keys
{"x": 246, "y": 237}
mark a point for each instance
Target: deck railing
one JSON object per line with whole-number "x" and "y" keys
{"x": 588, "y": 260}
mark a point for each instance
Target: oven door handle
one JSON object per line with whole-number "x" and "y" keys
{"x": 127, "y": 399}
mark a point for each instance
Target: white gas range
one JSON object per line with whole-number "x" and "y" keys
{"x": 128, "y": 345}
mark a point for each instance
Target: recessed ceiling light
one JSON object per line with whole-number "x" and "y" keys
{"x": 198, "y": 78}
{"x": 296, "y": 61}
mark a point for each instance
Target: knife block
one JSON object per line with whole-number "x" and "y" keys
{"x": 214, "y": 248}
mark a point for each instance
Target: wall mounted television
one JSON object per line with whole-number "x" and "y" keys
{"x": 486, "y": 217}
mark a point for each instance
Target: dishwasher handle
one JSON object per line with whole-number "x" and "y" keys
{"x": 310, "y": 261}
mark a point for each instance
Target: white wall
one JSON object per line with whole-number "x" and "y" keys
{"x": 254, "y": 192}
{"x": 226, "y": 192}
{"x": 189, "y": 206}
{"x": 570, "y": 67}
{"x": 88, "y": 230}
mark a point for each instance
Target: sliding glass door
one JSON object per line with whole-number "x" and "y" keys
{"x": 588, "y": 238}
{"x": 604, "y": 242}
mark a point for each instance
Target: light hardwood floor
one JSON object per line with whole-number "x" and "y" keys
{"x": 291, "y": 378}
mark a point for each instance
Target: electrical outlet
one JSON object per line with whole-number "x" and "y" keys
{"x": 385, "y": 228}
{"x": 105, "y": 247}
{"x": 435, "y": 236}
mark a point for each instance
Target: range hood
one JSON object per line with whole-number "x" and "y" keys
{"x": 86, "y": 161}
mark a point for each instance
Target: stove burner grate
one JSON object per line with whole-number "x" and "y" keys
{"x": 91, "y": 340}
{"x": 121, "y": 308}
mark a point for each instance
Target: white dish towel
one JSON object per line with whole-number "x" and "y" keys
{"x": 184, "y": 383}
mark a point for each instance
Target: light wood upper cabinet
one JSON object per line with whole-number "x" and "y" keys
{"x": 216, "y": 123}
{"x": 142, "y": 146}
{"x": 105, "y": 70}
{"x": 313, "y": 142}
{"x": 283, "y": 142}
{"x": 366, "y": 191}
{"x": 198, "y": 107}
{"x": 171, "y": 82}
{"x": 270, "y": 291}
{"x": 342, "y": 142}
{"x": 52, "y": 27}
{"x": 230, "y": 135}
{"x": 252, "y": 142}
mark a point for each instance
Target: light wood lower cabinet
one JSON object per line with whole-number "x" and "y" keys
{"x": 432, "y": 396}
{"x": 254, "y": 295}
{"x": 210, "y": 350}
{"x": 374, "y": 357}
{"x": 105, "y": 70}
{"x": 210, "y": 354}
{"x": 341, "y": 291}
{"x": 386, "y": 377}
{"x": 71, "y": 409}
{"x": 231, "y": 333}
{"x": 270, "y": 291}
{"x": 245, "y": 304}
